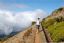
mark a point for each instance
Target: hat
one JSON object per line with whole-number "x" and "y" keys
{"x": 38, "y": 18}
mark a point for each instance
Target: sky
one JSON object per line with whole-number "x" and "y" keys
{"x": 29, "y": 5}
{"x": 17, "y": 15}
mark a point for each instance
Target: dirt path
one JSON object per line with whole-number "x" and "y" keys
{"x": 28, "y": 36}
{"x": 40, "y": 37}
{"x": 37, "y": 38}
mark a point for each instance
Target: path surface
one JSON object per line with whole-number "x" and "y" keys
{"x": 31, "y": 35}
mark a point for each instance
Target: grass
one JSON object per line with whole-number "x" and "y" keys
{"x": 55, "y": 25}
{"x": 56, "y": 31}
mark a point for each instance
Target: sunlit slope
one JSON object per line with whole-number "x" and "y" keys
{"x": 54, "y": 23}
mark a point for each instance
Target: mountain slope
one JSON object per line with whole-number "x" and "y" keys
{"x": 28, "y": 36}
{"x": 55, "y": 24}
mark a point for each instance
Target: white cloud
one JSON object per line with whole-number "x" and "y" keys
{"x": 12, "y": 6}
{"x": 21, "y": 20}
{"x": 21, "y": 6}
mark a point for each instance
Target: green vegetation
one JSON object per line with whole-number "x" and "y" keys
{"x": 33, "y": 22}
{"x": 57, "y": 31}
{"x": 55, "y": 26}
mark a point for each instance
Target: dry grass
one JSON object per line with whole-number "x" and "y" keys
{"x": 26, "y": 34}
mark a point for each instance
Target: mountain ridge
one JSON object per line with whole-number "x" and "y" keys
{"x": 54, "y": 23}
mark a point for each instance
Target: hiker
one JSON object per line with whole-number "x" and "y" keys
{"x": 38, "y": 23}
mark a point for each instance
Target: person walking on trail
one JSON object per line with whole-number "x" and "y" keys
{"x": 38, "y": 23}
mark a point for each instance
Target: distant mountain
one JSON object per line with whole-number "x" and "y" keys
{"x": 4, "y": 37}
{"x": 13, "y": 33}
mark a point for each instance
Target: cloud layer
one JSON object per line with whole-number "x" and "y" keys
{"x": 19, "y": 21}
{"x": 12, "y": 6}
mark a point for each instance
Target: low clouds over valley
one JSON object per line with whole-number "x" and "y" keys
{"x": 14, "y": 22}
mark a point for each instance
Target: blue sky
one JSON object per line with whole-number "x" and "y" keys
{"x": 29, "y": 5}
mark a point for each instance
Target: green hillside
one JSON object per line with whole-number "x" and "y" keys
{"x": 55, "y": 25}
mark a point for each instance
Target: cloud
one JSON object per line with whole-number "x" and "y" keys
{"x": 12, "y": 6}
{"x": 19, "y": 21}
{"x": 21, "y": 6}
